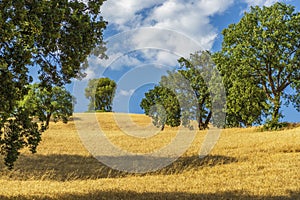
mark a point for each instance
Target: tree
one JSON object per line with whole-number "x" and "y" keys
{"x": 162, "y": 106}
{"x": 198, "y": 71}
{"x": 101, "y": 92}
{"x": 246, "y": 104}
{"x": 53, "y": 38}
{"x": 260, "y": 56}
{"x": 196, "y": 87}
{"x": 44, "y": 104}
{"x": 90, "y": 92}
{"x": 245, "y": 101}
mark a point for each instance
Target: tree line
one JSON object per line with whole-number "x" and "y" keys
{"x": 258, "y": 62}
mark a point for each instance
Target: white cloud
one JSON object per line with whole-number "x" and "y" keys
{"x": 95, "y": 68}
{"x": 189, "y": 17}
{"x": 175, "y": 28}
{"x": 119, "y": 61}
{"x": 116, "y": 61}
{"x": 160, "y": 58}
{"x": 126, "y": 13}
{"x": 260, "y": 2}
{"x": 126, "y": 92}
{"x": 90, "y": 74}
{"x": 166, "y": 58}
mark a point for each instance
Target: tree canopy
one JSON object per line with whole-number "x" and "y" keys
{"x": 162, "y": 106}
{"x": 101, "y": 93}
{"x": 198, "y": 70}
{"x": 44, "y": 104}
{"x": 53, "y": 38}
{"x": 190, "y": 92}
{"x": 260, "y": 59}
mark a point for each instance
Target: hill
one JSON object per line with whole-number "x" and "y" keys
{"x": 245, "y": 164}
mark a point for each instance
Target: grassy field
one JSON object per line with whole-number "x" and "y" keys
{"x": 245, "y": 164}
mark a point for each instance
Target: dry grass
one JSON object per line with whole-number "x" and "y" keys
{"x": 245, "y": 164}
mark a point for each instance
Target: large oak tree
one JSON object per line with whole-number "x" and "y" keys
{"x": 52, "y": 38}
{"x": 260, "y": 59}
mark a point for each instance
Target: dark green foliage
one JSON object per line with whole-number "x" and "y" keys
{"x": 18, "y": 132}
{"x": 48, "y": 103}
{"x": 52, "y": 37}
{"x": 260, "y": 58}
{"x": 274, "y": 126}
{"x": 196, "y": 89}
{"x": 90, "y": 92}
{"x": 197, "y": 70}
{"x": 101, "y": 93}
{"x": 205, "y": 91}
{"x": 183, "y": 94}
{"x": 246, "y": 102}
{"x": 104, "y": 95}
{"x": 162, "y": 106}
{"x": 36, "y": 110}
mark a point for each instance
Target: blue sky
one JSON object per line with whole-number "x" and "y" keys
{"x": 145, "y": 39}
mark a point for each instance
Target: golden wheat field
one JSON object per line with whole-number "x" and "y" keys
{"x": 245, "y": 164}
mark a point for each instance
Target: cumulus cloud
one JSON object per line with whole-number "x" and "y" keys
{"x": 126, "y": 92}
{"x": 90, "y": 74}
{"x": 260, "y": 2}
{"x": 189, "y": 17}
{"x": 173, "y": 28}
{"x": 119, "y": 61}
{"x": 127, "y": 14}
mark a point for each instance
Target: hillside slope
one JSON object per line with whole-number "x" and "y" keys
{"x": 245, "y": 164}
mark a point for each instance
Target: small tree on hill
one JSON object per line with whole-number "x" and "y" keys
{"x": 100, "y": 92}
{"x": 162, "y": 106}
{"x": 48, "y": 103}
{"x": 90, "y": 92}
{"x": 198, "y": 71}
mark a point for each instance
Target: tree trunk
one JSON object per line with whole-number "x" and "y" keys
{"x": 208, "y": 119}
{"x": 200, "y": 124}
{"x": 162, "y": 127}
{"x": 204, "y": 125}
{"x": 275, "y": 113}
{"x": 48, "y": 117}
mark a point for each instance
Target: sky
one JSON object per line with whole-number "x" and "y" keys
{"x": 144, "y": 39}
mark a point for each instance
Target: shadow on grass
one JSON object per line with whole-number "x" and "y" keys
{"x": 114, "y": 195}
{"x": 75, "y": 167}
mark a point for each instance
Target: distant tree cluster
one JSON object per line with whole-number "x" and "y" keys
{"x": 259, "y": 60}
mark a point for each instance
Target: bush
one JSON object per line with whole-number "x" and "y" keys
{"x": 274, "y": 126}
